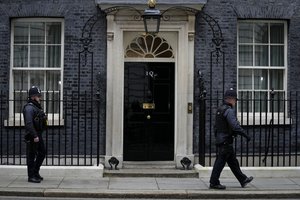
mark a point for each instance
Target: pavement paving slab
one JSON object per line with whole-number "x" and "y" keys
{"x": 5, "y": 181}
{"x": 276, "y": 184}
{"x": 71, "y": 182}
{"x": 180, "y": 184}
{"x": 135, "y": 183}
{"x": 296, "y": 180}
{"x": 48, "y": 182}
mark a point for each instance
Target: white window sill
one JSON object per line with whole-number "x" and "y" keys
{"x": 263, "y": 119}
{"x": 17, "y": 121}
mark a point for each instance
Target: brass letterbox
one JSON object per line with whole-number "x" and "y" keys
{"x": 148, "y": 106}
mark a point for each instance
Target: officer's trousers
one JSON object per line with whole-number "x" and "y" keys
{"x": 35, "y": 156}
{"x": 226, "y": 154}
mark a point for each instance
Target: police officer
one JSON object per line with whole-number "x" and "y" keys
{"x": 226, "y": 128}
{"x": 35, "y": 123}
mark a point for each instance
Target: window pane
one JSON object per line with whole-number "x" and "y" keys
{"x": 277, "y": 33}
{"x": 260, "y": 103}
{"x": 53, "y": 33}
{"x": 52, "y": 102}
{"x": 20, "y": 99}
{"x": 37, "y": 78}
{"x": 245, "y": 32}
{"x": 245, "y": 101}
{"x": 21, "y": 33}
{"x": 20, "y": 94}
{"x": 53, "y": 81}
{"x": 261, "y": 55}
{"x": 36, "y": 56}
{"x": 141, "y": 42}
{"x": 278, "y": 102}
{"x": 261, "y": 32}
{"x": 261, "y": 79}
{"x": 20, "y": 56}
{"x": 20, "y": 80}
{"x": 277, "y": 55}
{"x": 37, "y": 33}
{"x": 245, "y": 55}
{"x": 245, "y": 79}
{"x": 53, "y": 56}
{"x": 276, "y": 79}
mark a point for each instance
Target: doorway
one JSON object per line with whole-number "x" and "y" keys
{"x": 149, "y": 111}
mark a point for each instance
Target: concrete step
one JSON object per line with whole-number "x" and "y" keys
{"x": 139, "y": 172}
{"x": 150, "y": 169}
{"x": 149, "y": 164}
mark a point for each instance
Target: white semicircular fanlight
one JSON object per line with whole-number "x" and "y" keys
{"x": 149, "y": 46}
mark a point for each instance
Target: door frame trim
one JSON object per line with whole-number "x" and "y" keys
{"x": 184, "y": 85}
{"x": 143, "y": 65}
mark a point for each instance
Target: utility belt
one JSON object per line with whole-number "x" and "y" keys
{"x": 226, "y": 143}
{"x": 28, "y": 138}
{"x": 40, "y": 122}
{"x": 223, "y": 138}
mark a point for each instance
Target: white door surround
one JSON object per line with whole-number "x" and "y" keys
{"x": 179, "y": 33}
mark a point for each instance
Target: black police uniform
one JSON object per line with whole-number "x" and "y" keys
{"x": 226, "y": 128}
{"x": 35, "y": 123}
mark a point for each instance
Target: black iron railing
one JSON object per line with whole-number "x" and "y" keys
{"x": 271, "y": 121}
{"x": 73, "y": 134}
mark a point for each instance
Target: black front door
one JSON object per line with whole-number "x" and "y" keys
{"x": 149, "y": 111}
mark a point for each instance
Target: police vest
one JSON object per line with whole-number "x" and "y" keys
{"x": 221, "y": 122}
{"x": 222, "y": 130}
{"x": 39, "y": 119}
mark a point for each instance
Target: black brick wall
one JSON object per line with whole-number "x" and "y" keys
{"x": 76, "y": 13}
{"x": 227, "y": 13}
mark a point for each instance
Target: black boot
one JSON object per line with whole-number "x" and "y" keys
{"x": 34, "y": 180}
{"x": 246, "y": 181}
{"x": 218, "y": 187}
{"x": 39, "y": 176}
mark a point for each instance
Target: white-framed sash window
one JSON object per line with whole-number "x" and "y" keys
{"x": 37, "y": 52}
{"x": 262, "y": 67}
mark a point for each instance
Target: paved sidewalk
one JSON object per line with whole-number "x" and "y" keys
{"x": 152, "y": 187}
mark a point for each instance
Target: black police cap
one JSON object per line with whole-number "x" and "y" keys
{"x": 34, "y": 91}
{"x": 230, "y": 93}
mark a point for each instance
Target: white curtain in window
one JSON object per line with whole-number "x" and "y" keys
{"x": 245, "y": 79}
{"x": 261, "y": 55}
{"x": 245, "y": 55}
